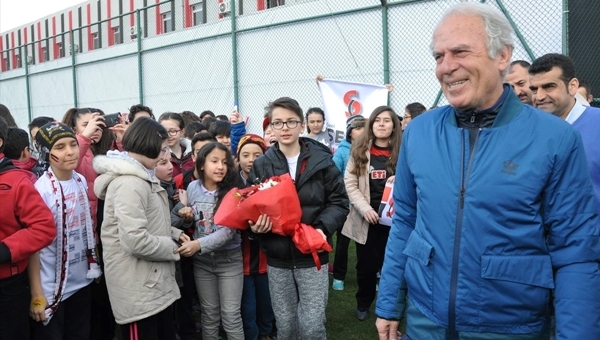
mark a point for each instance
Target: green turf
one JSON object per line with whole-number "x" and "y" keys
{"x": 341, "y": 307}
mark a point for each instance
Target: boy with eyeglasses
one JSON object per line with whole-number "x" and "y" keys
{"x": 17, "y": 149}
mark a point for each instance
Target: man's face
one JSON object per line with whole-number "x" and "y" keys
{"x": 469, "y": 78}
{"x": 518, "y": 77}
{"x": 583, "y": 92}
{"x": 551, "y": 94}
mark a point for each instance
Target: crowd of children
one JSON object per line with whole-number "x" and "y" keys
{"x": 123, "y": 232}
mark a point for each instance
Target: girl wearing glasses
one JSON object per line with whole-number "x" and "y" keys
{"x": 298, "y": 288}
{"x": 139, "y": 247}
{"x": 181, "y": 155}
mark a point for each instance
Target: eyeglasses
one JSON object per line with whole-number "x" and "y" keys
{"x": 173, "y": 133}
{"x": 291, "y": 124}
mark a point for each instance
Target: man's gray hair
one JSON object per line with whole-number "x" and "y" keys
{"x": 498, "y": 30}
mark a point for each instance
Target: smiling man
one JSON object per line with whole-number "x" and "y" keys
{"x": 518, "y": 77}
{"x": 494, "y": 206}
{"x": 554, "y": 88}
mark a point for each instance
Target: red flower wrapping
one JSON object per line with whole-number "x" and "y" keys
{"x": 280, "y": 202}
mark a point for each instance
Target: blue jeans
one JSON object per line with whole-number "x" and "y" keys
{"x": 219, "y": 280}
{"x": 257, "y": 313}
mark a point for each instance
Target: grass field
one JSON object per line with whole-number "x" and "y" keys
{"x": 341, "y": 320}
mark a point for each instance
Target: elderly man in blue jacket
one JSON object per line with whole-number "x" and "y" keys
{"x": 494, "y": 207}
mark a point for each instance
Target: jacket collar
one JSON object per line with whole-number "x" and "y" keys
{"x": 505, "y": 109}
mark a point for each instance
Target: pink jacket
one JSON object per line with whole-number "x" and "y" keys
{"x": 84, "y": 167}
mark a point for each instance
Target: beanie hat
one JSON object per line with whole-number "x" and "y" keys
{"x": 47, "y": 136}
{"x": 354, "y": 122}
{"x": 250, "y": 138}
{"x": 266, "y": 123}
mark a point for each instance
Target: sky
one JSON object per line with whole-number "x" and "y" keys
{"x": 14, "y": 13}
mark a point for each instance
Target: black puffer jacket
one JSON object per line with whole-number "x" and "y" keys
{"x": 322, "y": 194}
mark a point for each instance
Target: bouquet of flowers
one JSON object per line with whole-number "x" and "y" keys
{"x": 278, "y": 199}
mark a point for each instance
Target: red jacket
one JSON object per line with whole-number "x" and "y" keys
{"x": 26, "y": 223}
{"x": 27, "y": 165}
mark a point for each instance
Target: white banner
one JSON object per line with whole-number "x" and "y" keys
{"x": 342, "y": 99}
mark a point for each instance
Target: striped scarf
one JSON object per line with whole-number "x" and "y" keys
{"x": 51, "y": 184}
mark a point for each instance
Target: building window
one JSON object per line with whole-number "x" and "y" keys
{"x": 96, "y": 40}
{"x": 198, "y": 14}
{"x": 61, "y": 50}
{"x": 117, "y": 35}
{"x": 275, "y": 3}
{"x": 6, "y": 61}
{"x": 166, "y": 22}
{"x": 45, "y": 53}
{"x": 18, "y": 60}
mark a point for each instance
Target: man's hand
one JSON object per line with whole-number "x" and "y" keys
{"x": 372, "y": 217}
{"x": 263, "y": 224}
{"x": 387, "y": 329}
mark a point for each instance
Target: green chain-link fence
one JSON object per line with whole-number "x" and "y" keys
{"x": 174, "y": 58}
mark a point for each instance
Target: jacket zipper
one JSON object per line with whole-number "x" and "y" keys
{"x": 464, "y": 180}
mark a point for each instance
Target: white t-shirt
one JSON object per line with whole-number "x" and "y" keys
{"x": 292, "y": 165}
{"x": 77, "y": 258}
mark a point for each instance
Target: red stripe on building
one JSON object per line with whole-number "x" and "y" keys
{"x": 14, "y": 51}
{"x": 54, "y": 44}
{"x": 40, "y": 52}
{"x": 89, "y": 28}
{"x": 187, "y": 13}
{"x": 2, "y": 62}
{"x": 158, "y": 19}
{"x": 111, "y": 35}
{"x": 131, "y": 16}
{"x": 71, "y": 28}
{"x": 260, "y": 5}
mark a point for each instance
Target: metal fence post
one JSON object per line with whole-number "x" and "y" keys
{"x": 139, "y": 56}
{"x": 565, "y": 28}
{"x": 516, "y": 29}
{"x": 234, "y": 54}
{"x": 386, "y": 45}
{"x": 29, "y": 114}
{"x": 75, "y": 104}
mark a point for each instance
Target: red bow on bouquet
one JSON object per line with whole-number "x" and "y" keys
{"x": 278, "y": 199}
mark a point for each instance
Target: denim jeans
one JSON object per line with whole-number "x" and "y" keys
{"x": 14, "y": 307}
{"x": 219, "y": 280}
{"x": 257, "y": 313}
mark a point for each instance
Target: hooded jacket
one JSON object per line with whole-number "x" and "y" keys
{"x": 31, "y": 164}
{"x": 322, "y": 195}
{"x": 85, "y": 168}
{"x": 341, "y": 155}
{"x": 139, "y": 258}
{"x": 184, "y": 163}
{"x": 482, "y": 236}
{"x": 26, "y": 223}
